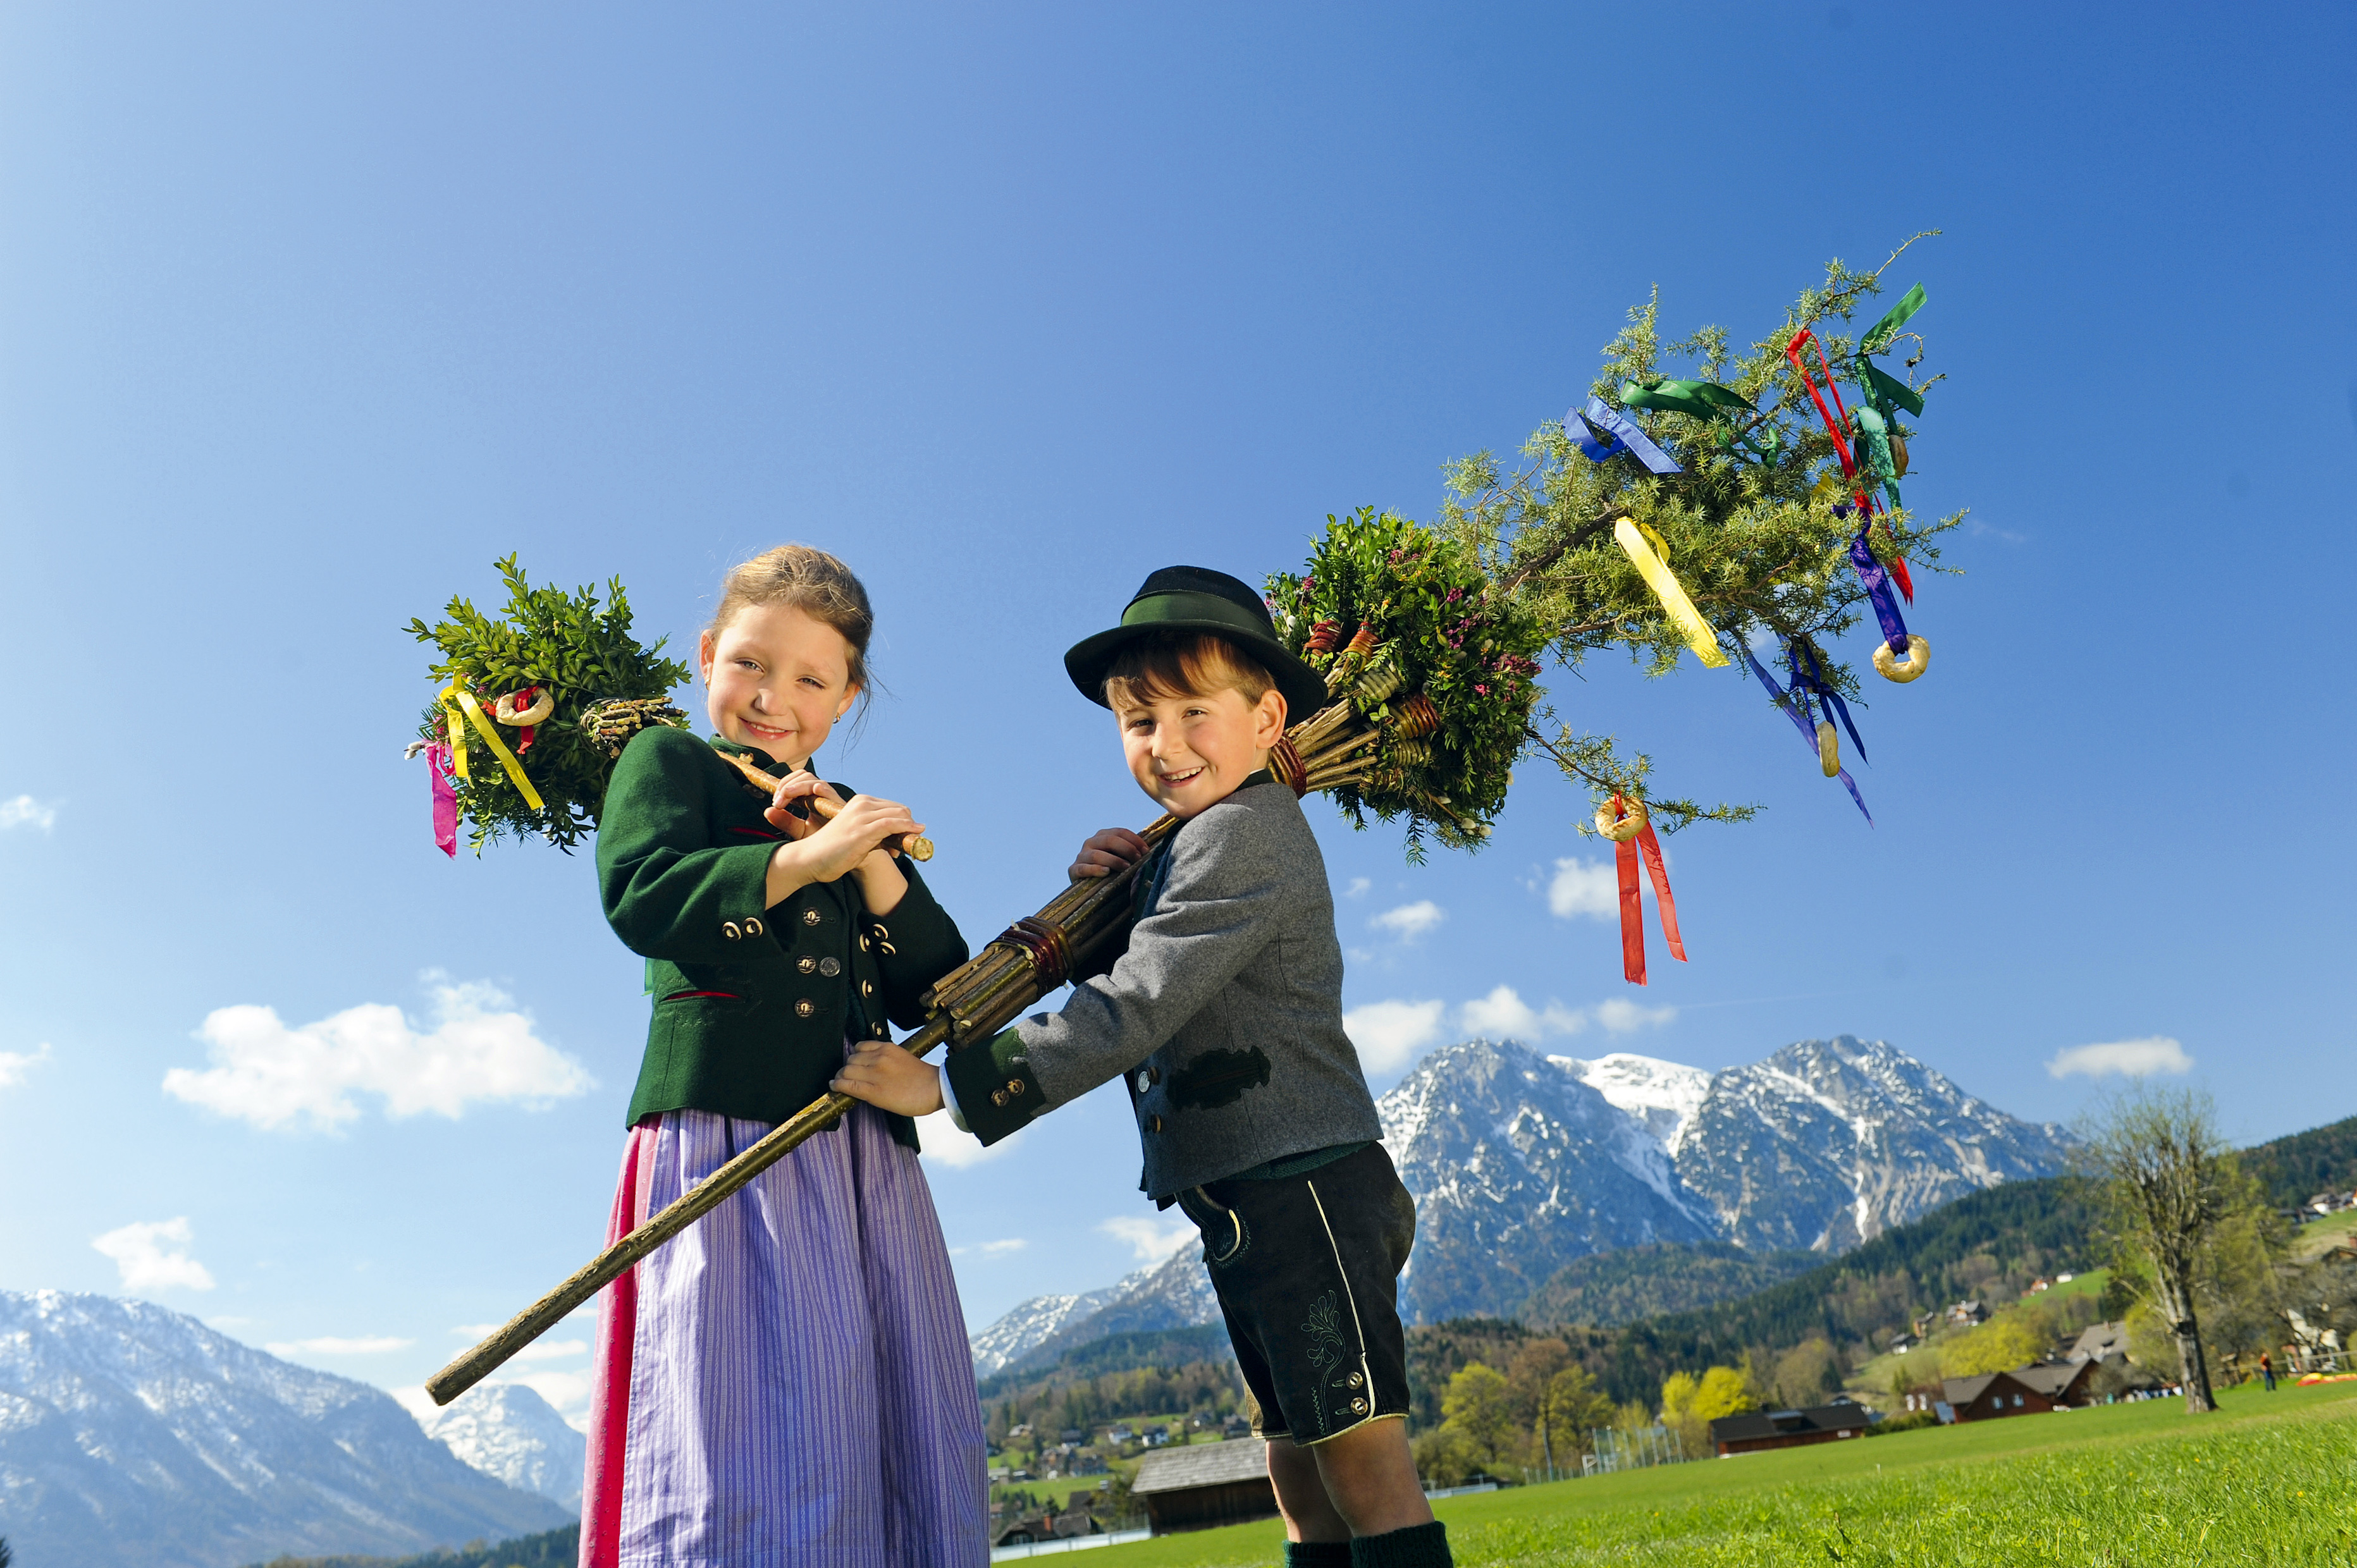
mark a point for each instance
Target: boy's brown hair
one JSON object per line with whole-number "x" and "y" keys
{"x": 1183, "y": 664}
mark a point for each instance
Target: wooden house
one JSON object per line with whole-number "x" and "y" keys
{"x": 1993, "y": 1394}
{"x": 1762, "y": 1429}
{"x": 1204, "y": 1485}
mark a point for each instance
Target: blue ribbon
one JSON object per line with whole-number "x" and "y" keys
{"x": 1815, "y": 684}
{"x": 1878, "y": 588}
{"x": 1610, "y": 432}
{"x": 1808, "y": 731}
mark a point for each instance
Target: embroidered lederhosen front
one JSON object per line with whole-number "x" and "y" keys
{"x": 1306, "y": 1269}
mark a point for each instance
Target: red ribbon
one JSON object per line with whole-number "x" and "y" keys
{"x": 531, "y": 695}
{"x": 1645, "y": 846}
{"x": 1839, "y": 427}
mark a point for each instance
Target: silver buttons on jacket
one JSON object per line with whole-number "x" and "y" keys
{"x": 830, "y": 967}
{"x": 729, "y": 928}
{"x": 1147, "y": 1077}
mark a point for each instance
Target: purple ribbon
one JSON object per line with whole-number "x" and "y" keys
{"x": 1815, "y": 683}
{"x": 445, "y": 801}
{"x": 1878, "y": 588}
{"x": 1808, "y": 731}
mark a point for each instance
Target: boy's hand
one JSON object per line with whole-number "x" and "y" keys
{"x": 889, "y": 1079}
{"x": 1105, "y": 853}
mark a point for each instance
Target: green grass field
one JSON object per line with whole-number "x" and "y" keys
{"x": 2271, "y": 1478}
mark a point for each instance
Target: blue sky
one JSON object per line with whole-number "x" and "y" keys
{"x": 306, "y": 314}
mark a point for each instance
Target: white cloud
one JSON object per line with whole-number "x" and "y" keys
{"x": 941, "y": 1142}
{"x": 2132, "y": 1059}
{"x": 1358, "y": 888}
{"x": 1503, "y": 1014}
{"x": 1152, "y": 1240}
{"x": 14, "y": 1065}
{"x": 552, "y": 1350}
{"x": 330, "y": 1345}
{"x": 479, "y": 1049}
{"x": 990, "y": 1249}
{"x": 23, "y": 811}
{"x": 1410, "y": 921}
{"x": 1584, "y": 887}
{"x": 1624, "y": 1016}
{"x": 567, "y": 1394}
{"x": 154, "y": 1256}
{"x": 1389, "y": 1033}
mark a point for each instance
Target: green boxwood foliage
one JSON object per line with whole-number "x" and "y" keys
{"x": 565, "y": 644}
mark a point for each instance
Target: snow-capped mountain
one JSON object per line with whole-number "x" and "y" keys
{"x": 1662, "y": 1095}
{"x": 1011, "y": 1336}
{"x": 1173, "y": 1293}
{"x": 1822, "y": 1145}
{"x": 1829, "y": 1143}
{"x": 134, "y": 1436}
{"x": 1518, "y": 1166}
{"x": 1522, "y": 1164}
{"x": 509, "y": 1431}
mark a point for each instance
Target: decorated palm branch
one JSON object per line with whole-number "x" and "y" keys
{"x": 1666, "y": 516}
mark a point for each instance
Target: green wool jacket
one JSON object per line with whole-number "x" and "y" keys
{"x": 752, "y": 1003}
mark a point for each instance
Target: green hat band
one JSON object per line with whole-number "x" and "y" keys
{"x": 1186, "y": 607}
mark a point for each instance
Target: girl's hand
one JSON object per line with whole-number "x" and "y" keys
{"x": 889, "y": 1079}
{"x": 851, "y": 841}
{"x": 1105, "y": 853}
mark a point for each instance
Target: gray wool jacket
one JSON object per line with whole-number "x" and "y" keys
{"x": 1222, "y": 1014}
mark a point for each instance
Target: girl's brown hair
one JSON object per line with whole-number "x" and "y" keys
{"x": 812, "y": 581}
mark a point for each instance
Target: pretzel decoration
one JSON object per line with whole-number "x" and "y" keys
{"x": 1631, "y": 822}
{"x": 544, "y": 703}
{"x": 1887, "y": 664}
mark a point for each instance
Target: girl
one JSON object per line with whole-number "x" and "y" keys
{"x": 787, "y": 1382}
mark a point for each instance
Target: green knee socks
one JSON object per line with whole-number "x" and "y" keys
{"x": 1317, "y": 1554}
{"x": 1418, "y": 1546}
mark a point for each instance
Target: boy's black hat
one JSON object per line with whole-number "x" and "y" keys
{"x": 1195, "y": 598}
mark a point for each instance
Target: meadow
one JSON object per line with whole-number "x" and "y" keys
{"x": 2270, "y": 1479}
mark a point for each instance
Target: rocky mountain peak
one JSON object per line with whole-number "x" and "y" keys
{"x": 508, "y": 1431}
{"x": 1524, "y": 1163}
{"x": 131, "y": 1434}
{"x": 1664, "y": 1095}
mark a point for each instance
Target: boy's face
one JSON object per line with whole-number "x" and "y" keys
{"x": 1191, "y": 752}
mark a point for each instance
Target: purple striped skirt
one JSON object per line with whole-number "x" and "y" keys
{"x": 786, "y": 1384}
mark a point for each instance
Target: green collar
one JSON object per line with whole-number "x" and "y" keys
{"x": 761, "y": 757}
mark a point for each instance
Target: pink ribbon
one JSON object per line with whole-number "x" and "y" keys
{"x": 445, "y": 801}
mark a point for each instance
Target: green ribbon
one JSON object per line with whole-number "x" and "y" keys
{"x": 1873, "y": 449}
{"x": 1886, "y": 394}
{"x": 1705, "y": 399}
{"x": 1888, "y": 391}
{"x": 1876, "y": 340}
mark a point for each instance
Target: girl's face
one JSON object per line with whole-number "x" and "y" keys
{"x": 776, "y": 679}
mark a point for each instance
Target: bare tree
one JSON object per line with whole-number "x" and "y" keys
{"x": 2172, "y": 1182}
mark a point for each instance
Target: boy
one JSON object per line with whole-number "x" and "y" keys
{"x": 1222, "y": 1015}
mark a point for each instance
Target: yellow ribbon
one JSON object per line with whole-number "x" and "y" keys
{"x": 1658, "y": 577}
{"x": 490, "y": 737}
